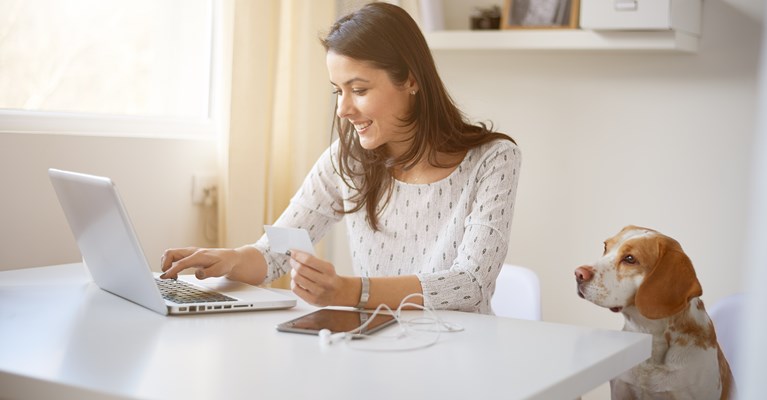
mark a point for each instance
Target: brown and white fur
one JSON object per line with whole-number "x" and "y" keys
{"x": 646, "y": 276}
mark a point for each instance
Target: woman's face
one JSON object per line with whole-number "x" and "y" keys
{"x": 371, "y": 102}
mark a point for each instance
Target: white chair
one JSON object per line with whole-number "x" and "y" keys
{"x": 726, "y": 315}
{"x": 517, "y": 293}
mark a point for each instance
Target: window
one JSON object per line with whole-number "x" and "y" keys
{"x": 120, "y": 67}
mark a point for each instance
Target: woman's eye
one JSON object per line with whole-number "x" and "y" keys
{"x": 629, "y": 259}
{"x": 359, "y": 91}
{"x": 336, "y": 92}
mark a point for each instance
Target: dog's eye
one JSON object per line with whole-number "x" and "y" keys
{"x": 629, "y": 259}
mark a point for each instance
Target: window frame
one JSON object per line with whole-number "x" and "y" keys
{"x": 13, "y": 121}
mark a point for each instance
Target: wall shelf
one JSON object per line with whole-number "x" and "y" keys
{"x": 563, "y": 39}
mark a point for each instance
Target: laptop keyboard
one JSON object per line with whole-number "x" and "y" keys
{"x": 182, "y": 292}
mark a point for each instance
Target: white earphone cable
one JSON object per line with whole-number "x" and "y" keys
{"x": 409, "y": 328}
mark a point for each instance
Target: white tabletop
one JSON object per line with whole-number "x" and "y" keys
{"x": 63, "y": 337}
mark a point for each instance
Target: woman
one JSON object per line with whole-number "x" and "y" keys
{"x": 427, "y": 196}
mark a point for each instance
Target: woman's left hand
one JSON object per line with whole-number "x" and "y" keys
{"x": 315, "y": 280}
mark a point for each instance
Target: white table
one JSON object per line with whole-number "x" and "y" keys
{"x": 62, "y": 337}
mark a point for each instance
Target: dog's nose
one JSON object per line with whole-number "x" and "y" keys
{"x": 584, "y": 274}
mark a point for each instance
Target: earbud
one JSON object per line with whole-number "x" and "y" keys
{"x": 327, "y": 337}
{"x": 324, "y": 336}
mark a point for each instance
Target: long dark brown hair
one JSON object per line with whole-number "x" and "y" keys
{"x": 386, "y": 37}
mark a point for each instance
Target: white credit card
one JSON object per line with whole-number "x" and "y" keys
{"x": 283, "y": 239}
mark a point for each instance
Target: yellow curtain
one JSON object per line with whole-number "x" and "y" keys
{"x": 280, "y": 112}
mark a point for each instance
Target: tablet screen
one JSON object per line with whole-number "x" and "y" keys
{"x": 336, "y": 321}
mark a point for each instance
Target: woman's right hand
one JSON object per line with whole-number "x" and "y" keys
{"x": 208, "y": 262}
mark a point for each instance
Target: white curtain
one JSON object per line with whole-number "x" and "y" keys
{"x": 281, "y": 108}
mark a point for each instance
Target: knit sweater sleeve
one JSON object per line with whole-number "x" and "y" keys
{"x": 469, "y": 283}
{"x": 314, "y": 208}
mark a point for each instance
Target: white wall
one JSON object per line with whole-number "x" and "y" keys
{"x": 154, "y": 177}
{"x": 608, "y": 139}
{"x": 616, "y": 138}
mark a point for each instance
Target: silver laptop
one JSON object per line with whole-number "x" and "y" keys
{"x": 113, "y": 255}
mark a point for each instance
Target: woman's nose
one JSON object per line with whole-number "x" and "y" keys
{"x": 343, "y": 108}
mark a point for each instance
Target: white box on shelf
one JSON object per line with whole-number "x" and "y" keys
{"x": 676, "y": 15}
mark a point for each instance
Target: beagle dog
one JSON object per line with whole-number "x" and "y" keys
{"x": 646, "y": 276}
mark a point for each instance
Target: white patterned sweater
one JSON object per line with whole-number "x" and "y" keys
{"x": 452, "y": 234}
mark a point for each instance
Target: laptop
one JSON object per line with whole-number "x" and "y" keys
{"x": 116, "y": 261}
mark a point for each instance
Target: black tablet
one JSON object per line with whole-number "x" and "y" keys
{"x": 336, "y": 321}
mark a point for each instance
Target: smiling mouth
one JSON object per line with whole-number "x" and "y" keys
{"x": 362, "y": 127}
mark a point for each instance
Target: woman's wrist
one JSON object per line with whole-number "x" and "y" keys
{"x": 350, "y": 293}
{"x": 248, "y": 265}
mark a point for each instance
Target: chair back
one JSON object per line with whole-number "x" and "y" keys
{"x": 517, "y": 293}
{"x": 726, "y": 315}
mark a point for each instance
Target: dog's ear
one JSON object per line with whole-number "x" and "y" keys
{"x": 669, "y": 285}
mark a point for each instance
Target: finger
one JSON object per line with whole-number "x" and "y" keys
{"x": 196, "y": 259}
{"x": 305, "y": 284}
{"x": 169, "y": 256}
{"x": 294, "y": 276}
{"x": 218, "y": 267}
{"x": 302, "y": 293}
{"x": 307, "y": 290}
{"x": 305, "y": 272}
{"x": 300, "y": 256}
{"x": 311, "y": 261}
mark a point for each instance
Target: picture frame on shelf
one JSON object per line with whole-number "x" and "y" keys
{"x": 540, "y": 14}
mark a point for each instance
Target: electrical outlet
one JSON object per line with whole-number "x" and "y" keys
{"x": 203, "y": 185}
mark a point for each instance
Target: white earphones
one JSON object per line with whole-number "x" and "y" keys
{"x": 407, "y": 328}
{"x": 327, "y": 337}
